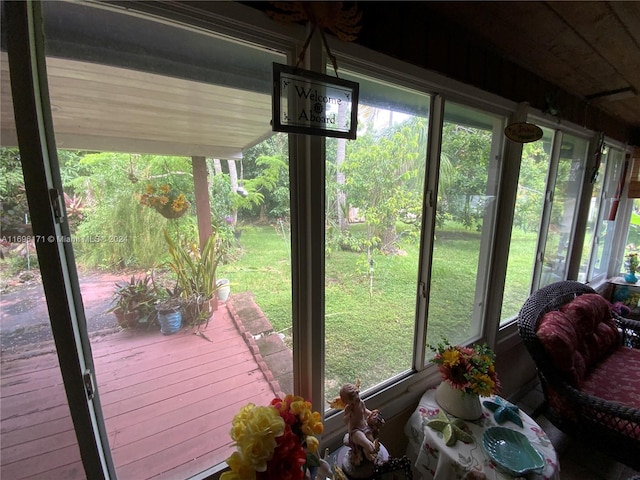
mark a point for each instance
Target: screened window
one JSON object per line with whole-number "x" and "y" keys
{"x": 632, "y": 244}
{"x": 405, "y": 241}
{"x": 601, "y": 223}
{"x": 467, "y": 187}
{"x": 551, "y": 178}
{"x": 534, "y": 168}
{"x": 374, "y": 192}
{"x": 566, "y": 186}
{"x": 168, "y": 142}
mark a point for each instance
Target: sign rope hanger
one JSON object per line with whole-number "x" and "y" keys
{"x": 329, "y": 16}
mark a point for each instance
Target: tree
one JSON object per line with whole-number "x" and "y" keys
{"x": 382, "y": 178}
{"x": 112, "y": 185}
{"x": 463, "y": 173}
{"x": 13, "y": 200}
{"x": 531, "y": 186}
{"x": 266, "y": 171}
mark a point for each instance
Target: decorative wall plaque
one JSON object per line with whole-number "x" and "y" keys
{"x": 523, "y": 132}
{"x": 313, "y": 104}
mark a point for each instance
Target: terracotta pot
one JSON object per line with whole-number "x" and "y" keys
{"x": 126, "y": 320}
{"x": 199, "y": 314}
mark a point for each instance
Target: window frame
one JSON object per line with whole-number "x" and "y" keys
{"x": 398, "y": 394}
{"x": 609, "y": 183}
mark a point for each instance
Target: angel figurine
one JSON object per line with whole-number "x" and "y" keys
{"x": 363, "y": 428}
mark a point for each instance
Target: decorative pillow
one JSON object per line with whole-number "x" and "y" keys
{"x": 557, "y": 334}
{"x": 579, "y": 335}
{"x": 597, "y": 331}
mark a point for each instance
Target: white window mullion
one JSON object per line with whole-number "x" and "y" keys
{"x": 548, "y": 203}
{"x": 429, "y": 221}
{"x": 308, "y": 222}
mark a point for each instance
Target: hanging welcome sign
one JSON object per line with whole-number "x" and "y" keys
{"x": 313, "y": 104}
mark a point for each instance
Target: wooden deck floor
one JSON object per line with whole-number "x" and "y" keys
{"x": 168, "y": 403}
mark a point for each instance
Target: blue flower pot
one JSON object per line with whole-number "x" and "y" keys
{"x": 630, "y": 278}
{"x": 170, "y": 322}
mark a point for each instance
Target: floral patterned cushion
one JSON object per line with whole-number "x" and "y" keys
{"x": 616, "y": 378}
{"x": 579, "y": 335}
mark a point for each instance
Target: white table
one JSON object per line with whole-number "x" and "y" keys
{"x": 435, "y": 460}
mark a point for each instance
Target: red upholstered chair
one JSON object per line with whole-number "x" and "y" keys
{"x": 588, "y": 360}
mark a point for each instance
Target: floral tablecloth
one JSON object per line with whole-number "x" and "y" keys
{"x": 434, "y": 460}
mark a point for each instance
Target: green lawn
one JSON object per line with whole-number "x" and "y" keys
{"x": 369, "y": 325}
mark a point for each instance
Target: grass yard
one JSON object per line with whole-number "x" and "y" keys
{"x": 370, "y": 324}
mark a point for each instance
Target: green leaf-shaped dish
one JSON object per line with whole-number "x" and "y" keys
{"x": 511, "y": 451}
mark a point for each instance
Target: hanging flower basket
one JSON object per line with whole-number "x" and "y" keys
{"x": 165, "y": 200}
{"x": 167, "y": 211}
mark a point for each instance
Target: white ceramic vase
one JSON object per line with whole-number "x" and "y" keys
{"x": 458, "y": 403}
{"x": 224, "y": 289}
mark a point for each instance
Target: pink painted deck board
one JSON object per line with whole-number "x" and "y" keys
{"x": 168, "y": 403}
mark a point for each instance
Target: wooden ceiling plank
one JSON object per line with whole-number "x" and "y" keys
{"x": 603, "y": 30}
{"x": 629, "y": 15}
{"x": 529, "y": 35}
{"x": 121, "y": 111}
{"x": 184, "y": 94}
{"x": 69, "y": 95}
{"x": 95, "y": 143}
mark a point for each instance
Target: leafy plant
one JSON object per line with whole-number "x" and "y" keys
{"x": 196, "y": 273}
{"x": 138, "y": 297}
{"x": 169, "y": 299}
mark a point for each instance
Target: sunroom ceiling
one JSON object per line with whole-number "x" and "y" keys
{"x": 105, "y": 108}
{"x": 588, "y": 48}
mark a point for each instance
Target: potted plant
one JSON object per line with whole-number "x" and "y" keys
{"x": 195, "y": 271}
{"x": 165, "y": 200}
{"x": 169, "y": 308}
{"x": 134, "y": 302}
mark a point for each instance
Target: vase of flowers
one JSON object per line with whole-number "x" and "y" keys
{"x": 467, "y": 374}
{"x": 276, "y": 442}
{"x": 165, "y": 200}
{"x": 632, "y": 267}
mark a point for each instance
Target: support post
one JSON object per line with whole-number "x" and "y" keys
{"x": 203, "y": 207}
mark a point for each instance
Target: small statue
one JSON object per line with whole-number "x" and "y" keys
{"x": 363, "y": 428}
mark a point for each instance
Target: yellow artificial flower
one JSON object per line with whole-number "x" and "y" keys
{"x": 266, "y": 421}
{"x": 165, "y": 188}
{"x": 298, "y": 405}
{"x": 240, "y": 470}
{"x": 317, "y": 426}
{"x": 312, "y": 443}
{"x": 257, "y": 450}
{"x": 239, "y": 424}
{"x": 254, "y": 431}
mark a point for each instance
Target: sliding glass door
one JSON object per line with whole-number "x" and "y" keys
{"x": 162, "y": 140}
